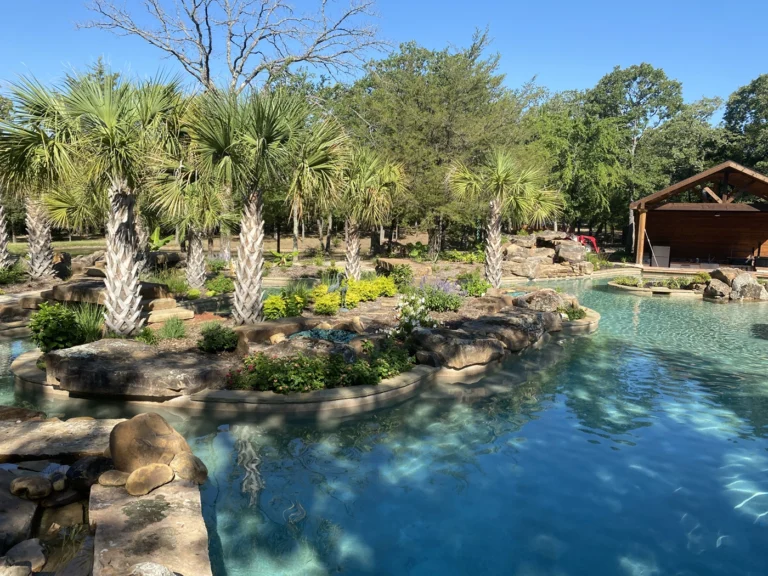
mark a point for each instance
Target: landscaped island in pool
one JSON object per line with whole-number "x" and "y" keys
{"x": 639, "y": 450}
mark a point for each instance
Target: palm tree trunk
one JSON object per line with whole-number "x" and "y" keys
{"x": 123, "y": 303}
{"x": 320, "y": 232}
{"x": 352, "y": 236}
{"x": 142, "y": 241}
{"x": 6, "y": 261}
{"x": 330, "y": 234}
{"x": 195, "y": 260}
{"x": 226, "y": 244}
{"x": 295, "y": 235}
{"x": 39, "y": 240}
{"x": 250, "y": 261}
{"x": 493, "y": 254}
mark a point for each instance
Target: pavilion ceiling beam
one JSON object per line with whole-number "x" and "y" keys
{"x": 714, "y": 196}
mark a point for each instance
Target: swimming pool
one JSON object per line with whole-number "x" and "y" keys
{"x": 639, "y": 450}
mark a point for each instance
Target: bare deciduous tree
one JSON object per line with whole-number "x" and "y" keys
{"x": 256, "y": 40}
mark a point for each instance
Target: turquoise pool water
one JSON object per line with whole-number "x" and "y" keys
{"x": 642, "y": 450}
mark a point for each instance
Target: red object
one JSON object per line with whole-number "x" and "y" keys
{"x": 589, "y": 242}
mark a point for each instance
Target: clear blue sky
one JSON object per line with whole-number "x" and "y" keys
{"x": 713, "y": 47}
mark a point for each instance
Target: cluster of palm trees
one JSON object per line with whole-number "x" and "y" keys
{"x": 100, "y": 151}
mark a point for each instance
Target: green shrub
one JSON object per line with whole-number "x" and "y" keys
{"x": 300, "y": 288}
{"x": 193, "y": 294}
{"x": 274, "y": 307}
{"x": 386, "y": 286}
{"x": 174, "y": 278}
{"x": 172, "y": 329}
{"x": 473, "y": 284}
{"x": 417, "y": 251}
{"x": 573, "y": 312}
{"x": 147, "y": 336}
{"x": 626, "y": 281}
{"x": 328, "y": 304}
{"x": 474, "y": 257}
{"x": 90, "y": 320}
{"x": 402, "y": 274}
{"x": 437, "y": 300}
{"x": 217, "y": 338}
{"x": 220, "y": 284}
{"x": 318, "y": 260}
{"x": 676, "y": 283}
{"x": 701, "y": 278}
{"x": 284, "y": 259}
{"x": 12, "y": 275}
{"x": 597, "y": 260}
{"x": 54, "y": 327}
{"x": 216, "y": 265}
{"x": 305, "y": 373}
{"x": 351, "y": 298}
{"x": 294, "y": 305}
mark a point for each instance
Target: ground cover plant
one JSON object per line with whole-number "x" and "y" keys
{"x": 573, "y": 312}
{"x": 302, "y": 373}
{"x": 473, "y": 284}
{"x": 12, "y": 274}
{"x": 172, "y": 329}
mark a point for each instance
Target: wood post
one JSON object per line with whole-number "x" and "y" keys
{"x": 640, "y": 236}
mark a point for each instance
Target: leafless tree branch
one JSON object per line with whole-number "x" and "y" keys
{"x": 249, "y": 41}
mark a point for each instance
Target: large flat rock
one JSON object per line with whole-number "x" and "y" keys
{"x": 263, "y": 331}
{"x": 53, "y": 439}
{"x": 93, "y": 291}
{"x": 16, "y": 515}
{"x": 166, "y": 526}
{"x": 130, "y": 369}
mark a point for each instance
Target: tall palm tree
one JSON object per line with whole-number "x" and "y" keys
{"x": 35, "y": 156}
{"x": 118, "y": 124}
{"x": 370, "y": 186}
{"x": 318, "y": 157}
{"x": 240, "y": 142}
{"x": 510, "y": 190}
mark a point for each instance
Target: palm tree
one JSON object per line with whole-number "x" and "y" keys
{"x": 370, "y": 188}
{"x": 319, "y": 155}
{"x": 240, "y": 143}
{"x": 510, "y": 190}
{"x": 35, "y": 156}
{"x": 118, "y": 124}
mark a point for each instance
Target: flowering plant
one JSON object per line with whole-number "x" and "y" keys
{"x": 411, "y": 312}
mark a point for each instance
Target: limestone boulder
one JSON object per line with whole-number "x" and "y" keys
{"x": 64, "y": 517}
{"x": 262, "y": 332}
{"x": 27, "y": 553}
{"x": 147, "y": 478}
{"x": 726, "y": 275}
{"x": 130, "y": 369}
{"x": 16, "y": 515}
{"x": 570, "y": 251}
{"x": 548, "y": 238}
{"x": 113, "y": 478}
{"x": 145, "y": 439}
{"x": 717, "y": 289}
{"x": 456, "y": 348}
{"x": 526, "y": 268}
{"x": 309, "y": 347}
{"x": 545, "y": 252}
{"x": 31, "y": 487}
{"x": 150, "y": 569}
{"x": 165, "y": 527}
{"x": 85, "y": 472}
{"x": 515, "y": 329}
{"x": 189, "y": 467}
{"x": 746, "y": 287}
{"x": 524, "y": 241}
{"x": 546, "y": 300}
{"x": 93, "y": 291}
{"x": 513, "y": 250}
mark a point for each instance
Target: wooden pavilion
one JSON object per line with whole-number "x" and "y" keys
{"x": 720, "y": 217}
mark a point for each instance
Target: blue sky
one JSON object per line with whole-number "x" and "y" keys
{"x": 713, "y": 47}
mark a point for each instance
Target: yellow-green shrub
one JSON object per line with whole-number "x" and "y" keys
{"x": 274, "y": 307}
{"x": 328, "y": 304}
{"x": 367, "y": 289}
{"x": 386, "y": 286}
{"x": 318, "y": 291}
{"x": 352, "y": 299}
